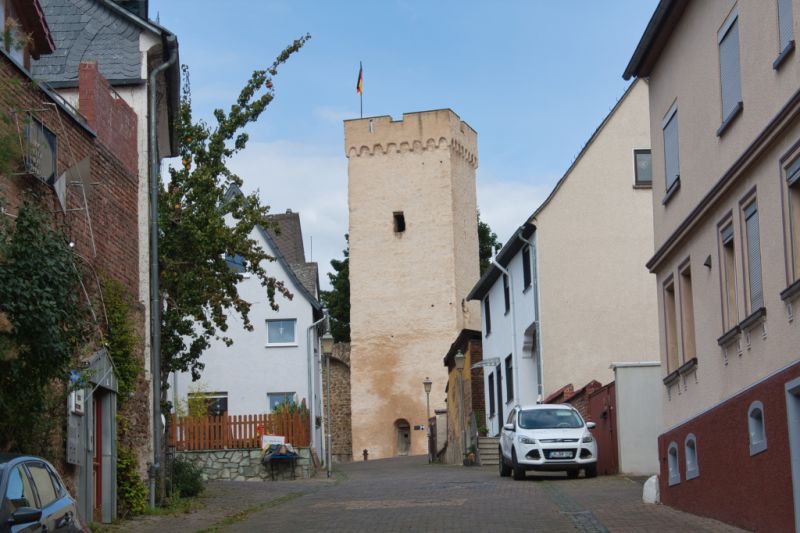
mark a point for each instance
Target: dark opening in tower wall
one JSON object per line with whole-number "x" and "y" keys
{"x": 399, "y": 222}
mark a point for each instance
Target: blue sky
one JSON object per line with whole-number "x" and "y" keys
{"x": 534, "y": 78}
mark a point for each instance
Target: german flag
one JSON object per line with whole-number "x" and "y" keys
{"x": 360, "y": 82}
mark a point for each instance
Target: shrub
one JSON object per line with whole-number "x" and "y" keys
{"x": 187, "y": 479}
{"x": 131, "y": 490}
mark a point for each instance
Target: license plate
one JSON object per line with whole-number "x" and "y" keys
{"x": 561, "y": 455}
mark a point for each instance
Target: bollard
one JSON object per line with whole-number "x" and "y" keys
{"x": 366, "y": 454}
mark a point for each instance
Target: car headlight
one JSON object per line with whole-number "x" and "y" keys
{"x": 526, "y": 440}
{"x": 588, "y": 438}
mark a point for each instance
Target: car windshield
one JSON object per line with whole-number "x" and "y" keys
{"x": 549, "y": 419}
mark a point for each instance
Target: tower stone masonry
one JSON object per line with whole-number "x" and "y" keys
{"x": 413, "y": 259}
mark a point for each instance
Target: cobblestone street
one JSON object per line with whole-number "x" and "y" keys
{"x": 406, "y": 494}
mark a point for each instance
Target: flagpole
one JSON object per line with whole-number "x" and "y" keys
{"x": 361, "y": 92}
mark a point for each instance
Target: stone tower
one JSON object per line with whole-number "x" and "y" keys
{"x": 413, "y": 259}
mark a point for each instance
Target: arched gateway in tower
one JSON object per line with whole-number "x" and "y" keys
{"x": 413, "y": 259}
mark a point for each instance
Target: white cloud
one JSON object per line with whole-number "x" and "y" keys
{"x": 306, "y": 179}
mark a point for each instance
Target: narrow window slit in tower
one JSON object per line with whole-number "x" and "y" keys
{"x": 399, "y": 222}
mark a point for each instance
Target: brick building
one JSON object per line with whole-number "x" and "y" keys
{"x": 71, "y": 163}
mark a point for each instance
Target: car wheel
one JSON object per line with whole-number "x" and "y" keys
{"x": 572, "y": 474}
{"x": 519, "y": 472}
{"x": 591, "y": 471}
{"x": 505, "y": 470}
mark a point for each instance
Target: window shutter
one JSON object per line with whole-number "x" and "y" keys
{"x": 671, "y": 150}
{"x": 754, "y": 257}
{"x": 793, "y": 173}
{"x": 785, "y": 22}
{"x": 727, "y": 234}
{"x": 730, "y": 77}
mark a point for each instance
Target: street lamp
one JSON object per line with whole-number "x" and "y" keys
{"x": 427, "y": 384}
{"x": 326, "y": 344}
{"x": 459, "y": 360}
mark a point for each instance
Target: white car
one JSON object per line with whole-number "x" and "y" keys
{"x": 547, "y": 437}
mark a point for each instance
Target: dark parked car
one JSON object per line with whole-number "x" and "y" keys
{"x": 34, "y": 497}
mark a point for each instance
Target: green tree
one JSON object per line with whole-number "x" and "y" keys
{"x": 337, "y": 300}
{"x": 487, "y": 244}
{"x": 197, "y": 286}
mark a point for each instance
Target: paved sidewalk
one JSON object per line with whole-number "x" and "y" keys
{"x": 406, "y": 494}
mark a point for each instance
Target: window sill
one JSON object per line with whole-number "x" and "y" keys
{"x": 758, "y": 447}
{"x": 729, "y": 336}
{"x": 281, "y": 345}
{"x": 671, "y": 378}
{"x": 783, "y": 55}
{"x": 754, "y": 318}
{"x": 674, "y": 188}
{"x": 643, "y": 185}
{"x": 737, "y": 110}
{"x": 692, "y": 474}
{"x": 688, "y": 366}
{"x": 791, "y": 291}
{"x": 526, "y": 289}
{"x": 506, "y": 312}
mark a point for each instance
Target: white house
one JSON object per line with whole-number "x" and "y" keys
{"x": 269, "y": 365}
{"x": 569, "y": 294}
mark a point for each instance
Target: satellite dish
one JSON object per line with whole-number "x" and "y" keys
{"x": 40, "y": 152}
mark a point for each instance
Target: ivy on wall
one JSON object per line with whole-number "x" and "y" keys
{"x": 43, "y": 324}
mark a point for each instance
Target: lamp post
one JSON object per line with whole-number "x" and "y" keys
{"x": 427, "y": 384}
{"x": 459, "y": 360}
{"x": 327, "y": 349}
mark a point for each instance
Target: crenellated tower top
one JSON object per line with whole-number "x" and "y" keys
{"x": 419, "y": 131}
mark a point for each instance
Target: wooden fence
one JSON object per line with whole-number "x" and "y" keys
{"x": 189, "y": 433}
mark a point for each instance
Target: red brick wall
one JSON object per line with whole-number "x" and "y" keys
{"x": 112, "y": 195}
{"x": 752, "y": 492}
{"x": 108, "y": 114}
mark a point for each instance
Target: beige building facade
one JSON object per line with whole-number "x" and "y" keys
{"x": 725, "y": 129}
{"x": 594, "y": 233}
{"x": 413, "y": 258}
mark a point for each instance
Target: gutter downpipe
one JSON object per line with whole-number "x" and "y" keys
{"x": 513, "y": 331}
{"x": 311, "y": 400}
{"x": 155, "y": 308}
{"x": 535, "y": 276}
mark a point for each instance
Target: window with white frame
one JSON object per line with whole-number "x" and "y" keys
{"x": 509, "y": 379}
{"x": 729, "y": 67}
{"x": 687, "y": 313}
{"x": 526, "y": 267}
{"x": 793, "y": 219}
{"x": 673, "y": 467}
{"x": 274, "y": 399}
{"x": 756, "y": 428}
{"x": 506, "y": 294}
{"x": 671, "y": 326}
{"x": 487, "y": 315}
{"x": 755, "y": 290}
{"x": 671, "y": 156}
{"x": 491, "y": 395}
{"x": 281, "y": 332}
{"x": 643, "y": 168}
{"x": 690, "y": 453}
{"x": 730, "y": 314}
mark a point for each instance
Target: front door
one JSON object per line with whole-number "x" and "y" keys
{"x": 500, "y": 418}
{"x": 793, "y": 415}
{"x": 403, "y": 430}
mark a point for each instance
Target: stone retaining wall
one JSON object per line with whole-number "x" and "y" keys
{"x": 245, "y": 465}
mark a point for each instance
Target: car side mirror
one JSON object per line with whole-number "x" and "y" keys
{"x": 26, "y": 515}
{"x": 590, "y": 425}
{"x": 509, "y": 427}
